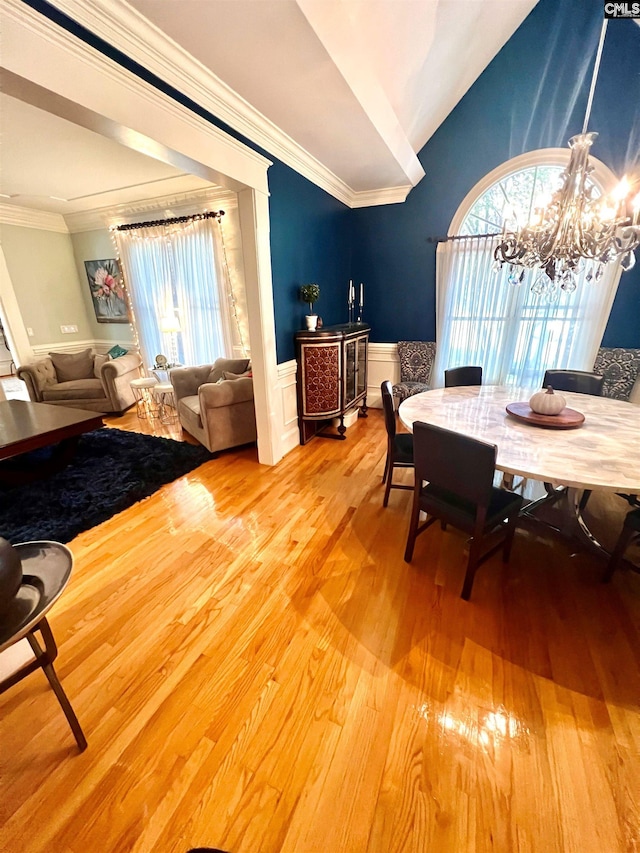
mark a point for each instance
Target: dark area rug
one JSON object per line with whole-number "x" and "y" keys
{"x": 112, "y": 469}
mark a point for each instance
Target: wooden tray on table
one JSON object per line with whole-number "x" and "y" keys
{"x": 566, "y": 419}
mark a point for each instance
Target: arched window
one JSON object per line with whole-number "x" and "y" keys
{"x": 515, "y": 331}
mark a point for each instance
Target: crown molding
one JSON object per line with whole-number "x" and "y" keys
{"x": 99, "y": 218}
{"x": 143, "y": 42}
{"x": 371, "y": 198}
{"x": 27, "y": 218}
{"x": 179, "y": 204}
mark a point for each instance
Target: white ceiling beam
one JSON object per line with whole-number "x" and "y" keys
{"x": 344, "y": 44}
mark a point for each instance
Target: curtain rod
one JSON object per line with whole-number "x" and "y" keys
{"x": 209, "y": 214}
{"x": 447, "y": 238}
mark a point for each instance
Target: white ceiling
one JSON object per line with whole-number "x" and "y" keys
{"x": 48, "y": 163}
{"x": 358, "y": 86}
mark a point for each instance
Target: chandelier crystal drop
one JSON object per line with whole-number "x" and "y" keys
{"x": 575, "y": 227}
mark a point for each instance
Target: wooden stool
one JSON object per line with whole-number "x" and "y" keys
{"x": 166, "y": 401}
{"x": 146, "y": 406}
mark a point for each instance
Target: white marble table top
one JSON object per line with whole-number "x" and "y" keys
{"x": 603, "y": 453}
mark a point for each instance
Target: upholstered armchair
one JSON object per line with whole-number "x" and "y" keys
{"x": 82, "y": 380}
{"x": 416, "y": 363}
{"x": 215, "y": 402}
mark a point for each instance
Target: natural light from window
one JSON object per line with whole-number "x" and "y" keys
{"x": 513, "y": 332}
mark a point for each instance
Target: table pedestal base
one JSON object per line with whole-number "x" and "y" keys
{"x": 570, "y": 522}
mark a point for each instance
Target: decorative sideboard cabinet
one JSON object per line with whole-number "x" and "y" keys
{"x": 332, "y": 377}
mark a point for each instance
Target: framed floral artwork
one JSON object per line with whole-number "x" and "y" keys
{"x": 107, "y": 291}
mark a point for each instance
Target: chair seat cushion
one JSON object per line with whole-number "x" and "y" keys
{"x": 189, "y": 411}
{"x": 403, "y": 448}
{"x": 77, "y": 389}
{"x": 435, "y": 500}
{"x": 402, "y": 390}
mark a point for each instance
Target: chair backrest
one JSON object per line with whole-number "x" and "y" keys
{"x": 387, "y": 405}
{"x": 416, "y": 360}
{"x": 620, "y": 366}
{"x": 457, "y": 463}
{"x": 462, "y": 376}
{"x": 578, "y": 381}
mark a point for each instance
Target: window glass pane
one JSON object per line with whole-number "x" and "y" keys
{"x": 513, "y": 332}
{"x": 520, "y": 192}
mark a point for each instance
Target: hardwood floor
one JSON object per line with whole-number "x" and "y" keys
{"x": 257, "y": 669}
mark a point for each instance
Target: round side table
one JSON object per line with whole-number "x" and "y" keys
{"x": 146, "y": 406}
{"x": 166, "y": 401}
{"x": 46, "y": 567}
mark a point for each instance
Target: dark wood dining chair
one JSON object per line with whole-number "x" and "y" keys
{"x": 630, "y": 529}
{"x": 399, "y": 445}
{"x": 467, "y": 375}
{"x": 454, "y": 483}
{"x": 576, "y": 381}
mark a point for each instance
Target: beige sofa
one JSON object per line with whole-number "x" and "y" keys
{"x": 83, "y": 380}
{"x": 216, "y": 410}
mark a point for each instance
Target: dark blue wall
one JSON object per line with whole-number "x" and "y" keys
{"x": 533, "y": 95}
{"x": 310, "y": 242}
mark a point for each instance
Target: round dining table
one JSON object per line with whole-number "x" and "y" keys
{"x": 601, "y": 453}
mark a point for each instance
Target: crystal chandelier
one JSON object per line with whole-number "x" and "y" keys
{"x": 575, "y": 227}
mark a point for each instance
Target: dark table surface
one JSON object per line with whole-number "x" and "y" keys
{"x": 28, "y": 426}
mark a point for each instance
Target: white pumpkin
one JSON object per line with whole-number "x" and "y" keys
{"x": 547, "y": 402}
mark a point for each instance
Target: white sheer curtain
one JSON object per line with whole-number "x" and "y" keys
{"x": 172, "y": 270}
{"x": 514, "y": 334}
{"x": 201, "y": 303}
{"x": 147, "y": 273}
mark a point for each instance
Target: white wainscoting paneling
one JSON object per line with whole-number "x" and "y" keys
{"x": 383, "y": 364}
{"x": 289, "y": 433}
{"x": 100, "y": 346}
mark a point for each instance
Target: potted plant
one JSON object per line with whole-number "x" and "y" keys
{"x": 310, "y": 293}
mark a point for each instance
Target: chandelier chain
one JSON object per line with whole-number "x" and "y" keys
{"x": 594, "y": 76}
